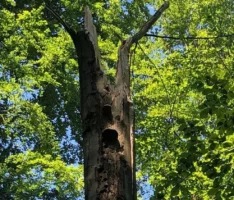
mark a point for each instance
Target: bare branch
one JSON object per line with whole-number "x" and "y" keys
{"x": 150, "y": 23}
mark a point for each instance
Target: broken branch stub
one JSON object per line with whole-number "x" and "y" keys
{"x": 90, "y": 30}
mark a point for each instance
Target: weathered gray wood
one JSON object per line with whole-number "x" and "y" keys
{"x": 90, "y": 30}
{"x": 107, "y": 117}
{"x": 108, "y": 151}
{"x": 107, "y": 114}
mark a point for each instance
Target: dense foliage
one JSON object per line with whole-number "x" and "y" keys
{"x": 182, "y": 86}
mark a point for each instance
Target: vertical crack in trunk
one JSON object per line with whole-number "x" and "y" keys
{"x": 107, "y": 127}
{"x": 107, "y": 116}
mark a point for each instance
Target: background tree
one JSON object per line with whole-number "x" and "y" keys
{"x": 182, "y": 87}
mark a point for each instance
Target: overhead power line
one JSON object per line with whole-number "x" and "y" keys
{"x": 189, "y": 37}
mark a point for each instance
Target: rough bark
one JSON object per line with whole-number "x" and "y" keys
{"x": 107, "y": 122}
{"x": 107, "y": 115}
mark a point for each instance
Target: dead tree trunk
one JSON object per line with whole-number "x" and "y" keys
{"x": 107, "y": 122}
{"x": 107, "y": 115}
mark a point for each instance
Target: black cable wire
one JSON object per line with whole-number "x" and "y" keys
{"x": 190, "y": 37}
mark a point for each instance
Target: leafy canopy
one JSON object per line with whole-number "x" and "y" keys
{"x": 182, "y": 89}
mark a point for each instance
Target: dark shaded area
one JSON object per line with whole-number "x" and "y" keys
{"x": 106, "y": 112}
{"x": 110, "y": 139}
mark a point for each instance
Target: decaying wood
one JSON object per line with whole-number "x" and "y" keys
{"x": 90, "y": 30}
{"x": 150, "y": 23}
{"x": 107, "y": 115}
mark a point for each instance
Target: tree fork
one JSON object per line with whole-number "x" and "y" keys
{"x": 107, "y": 124}
{"x": 107, "y": 115}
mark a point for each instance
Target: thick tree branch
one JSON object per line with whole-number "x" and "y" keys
{"x": 150, "y": 23}
{"x": 61, "y": 21}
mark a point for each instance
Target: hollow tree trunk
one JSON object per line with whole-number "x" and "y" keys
{"x": 107, "y": 115}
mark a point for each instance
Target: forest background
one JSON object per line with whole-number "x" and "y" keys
{"x": 182, "y": 87}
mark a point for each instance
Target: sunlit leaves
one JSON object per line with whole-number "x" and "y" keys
{"x": 182, "y": 90}
{"x": 32, "y": 60}
{"x": 187, "y": 106}
{"x": 42, "y": 177}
